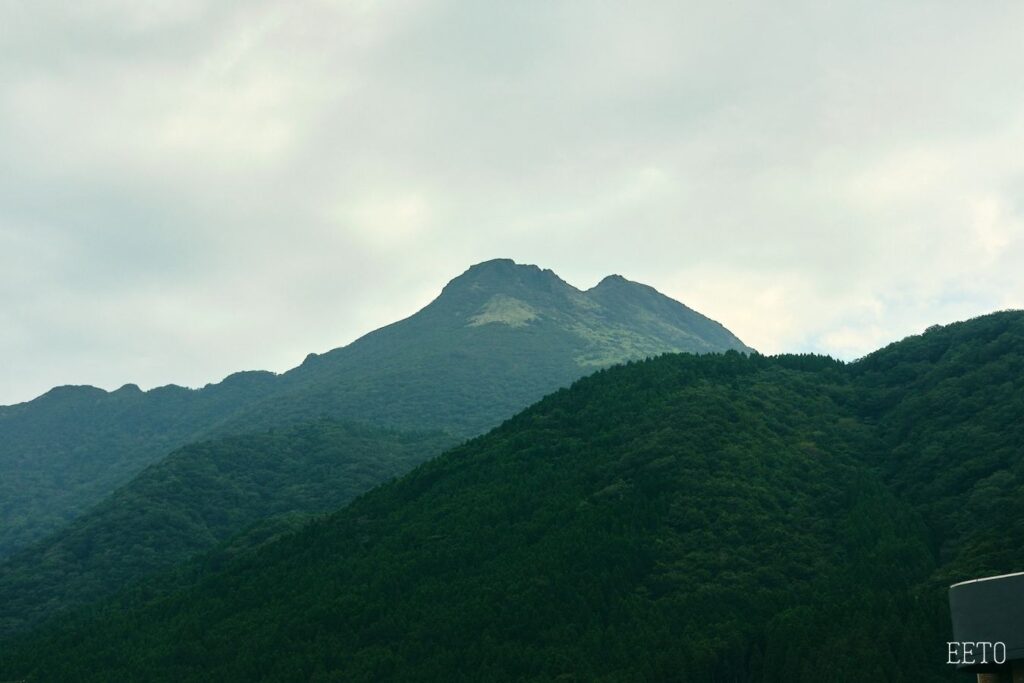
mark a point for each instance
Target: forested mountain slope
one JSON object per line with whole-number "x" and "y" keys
{"x": 498, "y": 338}
{"x": 686, "y": 518}
{"x": 196, "y": 498}
{"x": 71, "y": 447}
{"x": 718, "y": 517}
{"x": 949, "y": 406}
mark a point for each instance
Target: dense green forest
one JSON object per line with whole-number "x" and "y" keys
{"x": 198, "y": 497}
{"x": 68, "y": 449}
{"x": 498, "y": 338}
{"x": 690, "y": 518}
{"x": 950, "y": 407}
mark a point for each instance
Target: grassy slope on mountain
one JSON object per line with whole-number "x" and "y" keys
{"x": 680, "y": 519}
{"x": 196, "y": 498}
{"x": 498, "y": 338}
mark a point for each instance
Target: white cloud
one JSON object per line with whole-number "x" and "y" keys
{"x": 182, "y": 178}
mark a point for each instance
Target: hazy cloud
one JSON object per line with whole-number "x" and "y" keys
{"x": 189, "y": 188}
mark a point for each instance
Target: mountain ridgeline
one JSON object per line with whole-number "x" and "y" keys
{"x": 498, "y": 338}
{"x": 721, "y": 517}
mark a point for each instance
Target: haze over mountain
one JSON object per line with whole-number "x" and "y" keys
{"x": 691, "y": 518}
{"x": 499, "y": 337}
{"x": 197, "y": 497}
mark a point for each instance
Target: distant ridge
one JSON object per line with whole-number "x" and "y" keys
{"x": 498, "y": 337}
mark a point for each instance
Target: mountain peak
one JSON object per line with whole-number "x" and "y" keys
{"x": 497, "y": 264}
{"x": 616, "y": 280}
{"x": 504, "y": 268}
{"x": 505, "y": 276}
{"x": 619, "y": 287}
{"x": 503, "y": 291}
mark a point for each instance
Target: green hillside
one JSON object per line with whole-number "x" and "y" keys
{"x": 196, "y": 498}
{"x": 498, "y": 338}
{"x": 695, "y": 518}
{"x": 949, "y": 405}
{"x": 71, "y": 447}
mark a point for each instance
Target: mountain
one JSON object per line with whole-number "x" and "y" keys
{"x": 499, "y": 337}
{"x": 689, "y": 518}
{"x": 949, "y": 405}
{"x": 197, "y": 497}
{"x": 72, "y": 446}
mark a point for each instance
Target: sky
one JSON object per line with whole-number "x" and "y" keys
{"x": 190, "y": 188}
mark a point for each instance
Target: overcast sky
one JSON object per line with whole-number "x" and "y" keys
{"x": 190, "y": 188}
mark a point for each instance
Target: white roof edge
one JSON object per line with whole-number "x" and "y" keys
{"x": 987, "y": 578}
